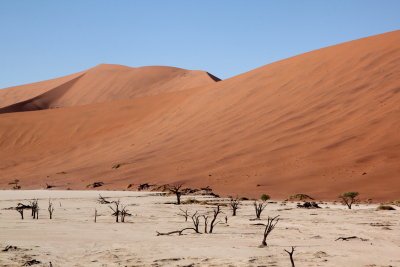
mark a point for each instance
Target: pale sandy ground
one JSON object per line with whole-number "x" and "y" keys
{"x": 73, "y": 239}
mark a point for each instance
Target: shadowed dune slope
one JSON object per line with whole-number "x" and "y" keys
{"x": 102, "y": 83}
{"x": 320, "y": 123}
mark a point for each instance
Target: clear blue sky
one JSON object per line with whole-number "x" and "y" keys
{"x": 46, "y": 39}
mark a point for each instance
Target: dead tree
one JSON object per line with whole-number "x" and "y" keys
{"x": 116, "y": 209}
{"x": 35, "y": 209}
{"x": 21, "y": 211}
{"x": 95, "y": 215}
{"x": 20, "y": 208}
{"x": 196, "y": 222}
{"x": 124, "y": 213}
{"x": 259, "y": 207}
{"x": 102, "y": 200}
{"x": 291, "y": 256}
{"x": 50, "y": 209}
{"x": 234, "y": 204}
{"x": 185, "y": 213}
{"x": 268, "y": 228}
{"x": 214, "y": 222}
{"x": 176, "y": 189}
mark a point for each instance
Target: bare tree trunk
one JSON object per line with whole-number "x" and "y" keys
{"x": 95, "y": 215}
{"x": 176, "y": 189}
{"x": 291, "y": 256}
{"x": 116, "y": 210}
{"x": 213, "y": 222}
{"x": 50, "y": 209}
{"x": 205, "y": 223}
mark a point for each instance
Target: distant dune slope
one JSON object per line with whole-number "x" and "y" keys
{"x": 102, "y": 83}
{"x": 320, "y": 123}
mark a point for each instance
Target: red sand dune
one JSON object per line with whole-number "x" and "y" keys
{"x": 320, "y": 123}
{"x": 102, "y": 83}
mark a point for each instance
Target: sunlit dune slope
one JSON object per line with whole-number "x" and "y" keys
{"x": 102, "y": 83}
{"x": 320, "y": 123}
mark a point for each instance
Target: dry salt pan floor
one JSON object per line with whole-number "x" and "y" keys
{"x": 72, "y": 238}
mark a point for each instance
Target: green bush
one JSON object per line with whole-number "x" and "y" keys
{"x": 265, "y": 197}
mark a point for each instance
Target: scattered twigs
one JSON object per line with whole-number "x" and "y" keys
{"x": 291, "y": 256}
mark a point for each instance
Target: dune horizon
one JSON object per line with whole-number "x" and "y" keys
{"x": 319, "y": 123}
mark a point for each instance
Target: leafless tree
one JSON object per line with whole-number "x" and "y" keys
{"x": 268, "y": 228}
{"x": 21, "y": 211}
{"x": 20, "y": 208}
{"x": 185, "y": 213}
{"x": 102, "y": 200}
{"x": 259, "y": 207}
{"x": 95, "y": 215}
{"x": 50, "y": 209}
{"x": 116, "y": 209}
{"x": 234, "y": 204}
{"x": 291, "y": 256}
{"x": 196, "y": 222}
{"x": 214, "y": 222}
{"x": 35, "y": 208}
{"x": 124, "y": 213}
{"x": 176, "y": 189}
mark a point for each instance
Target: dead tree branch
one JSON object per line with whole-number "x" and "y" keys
{"x": 179, "y": 232}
